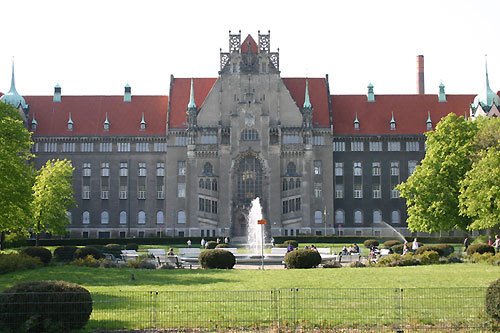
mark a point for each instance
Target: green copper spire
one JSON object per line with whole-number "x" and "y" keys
{"x": 307, "y": 101}
{"x": 12, "y": 97}
{"x": 191, "y": 104}
{"x": 13, "y": 81}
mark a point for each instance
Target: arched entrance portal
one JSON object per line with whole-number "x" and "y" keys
{"x": 248, "y": 185}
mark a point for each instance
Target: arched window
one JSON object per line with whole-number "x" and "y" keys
{"x": 297, "y": 183}
{"x": 208, "y": 169}
{"x": 249, "y": 135}
{"x": 123, "y": 217}
{"x": 395, "y": 217}
{"x": 339, "y": 216}
{"x": 291, "y": 184}
{"x": 377, "y": 216}
{"x": 291, "y": 169}
{"x": 181, "y": 217}
{"x": 104, "y": 217}
{"x": 86, "y": 217}
{"x": 318, "y": 217}
{"x": 141, "y": 217}
{"x": 208, "y": 184}
{"x": 358, "y": 216}
{"x": 201, "y": 183}
{"x": 214, "y": 185}
{"x": 285, "y": 184}
{"x": 160, "y": 218}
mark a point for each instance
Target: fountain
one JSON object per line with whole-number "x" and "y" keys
{"x": 397, "y": 232}
{"x": 255, "y": 236}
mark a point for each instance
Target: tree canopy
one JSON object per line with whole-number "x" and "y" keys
{"x": 16, "y": 174}
{"x": 456, "y": 186}
{"x": 52, "y": 197}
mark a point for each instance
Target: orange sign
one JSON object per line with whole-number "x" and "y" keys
{"x": 263, "y": 221}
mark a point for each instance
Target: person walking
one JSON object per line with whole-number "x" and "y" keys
{"x": 189, "y": 243}
{"x": 496, "y": 244}
{"x": 466, "y": 243}
{"x": 414, "y": 246}
{"x": 203, "y": 242}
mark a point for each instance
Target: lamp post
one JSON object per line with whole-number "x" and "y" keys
{"x": 262, "y": 223}
{"x": 324, "y": 218}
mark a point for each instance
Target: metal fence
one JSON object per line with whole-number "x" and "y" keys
{"x": 292, "y": 310}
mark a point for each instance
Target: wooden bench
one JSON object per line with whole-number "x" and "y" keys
{"x": 324, "y": 250}
{"x": 189, "y": 252}
{"x": 347, "y": 258}
{"x": 129, "y": 255}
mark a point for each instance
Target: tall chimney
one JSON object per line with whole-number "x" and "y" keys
{"x": 420, "y": 75}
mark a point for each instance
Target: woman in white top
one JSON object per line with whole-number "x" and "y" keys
{"x": 414, "y": 246}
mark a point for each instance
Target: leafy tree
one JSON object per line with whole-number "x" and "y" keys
{"x": 16, "y": 175}
{"x": 432, "y": 191}
{"x": 52, "y": 196}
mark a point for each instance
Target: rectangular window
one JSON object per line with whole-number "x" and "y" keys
{"x": 357, "y": 169}
{"x": 141, "y": 192}
{"x": 123, "y": 192}
{"x": 160, "y": 191}
{"x": 376, "y": 169}
{"x": 160, "y": 147}
{"x": 339, "y": 169}
{"x": 105, "y": 147}
{"x": 208, "y": 139}
{"x": 86, "y": 170}
{"x": 68, "y": 147}
{"x": 412, "y": 146}
{"x": 87, "y": 147}
{"x": 181, "y": 168}
{"x": 123, "y": 146}
{"x": 358, "y": 191}
{"x": 142, "y": 169}
{"x": 339, "y": 146}
{"x": 318, "y": 189}
{"x": 160, "y": 169}
{"x": 50, "y": 147}
{"x": 105, "y": 169}
{"x": 290, "y": 139}
{"x": 376, "y": 146}
{"x": 339, "y": 191}
{"x": 181, "y": 190}
{"x": 86, "y": 192}
{"x": 180, "y": 140}
{"x": 318, "y": 167}
{"x": 318, "y": 140}
{"x": 123, "y": 169}
{"x": 357, "y": 146}
{"x": 394, "y": 168}
{"x": 412, "y": 165}
{"x": 394, "y": 193}
{"x": 142, "y": 147}
{"x": 394, "y": 146}
{"x": 104, "y": 192}
{"x": 376, "y": 192}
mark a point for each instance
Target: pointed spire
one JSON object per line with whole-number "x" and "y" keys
{"x": 70, "y": 122}
{"x": 191, "y": 104}
{"x": 429, "y": 117}
{"x": 356, "y": 122}
{"x": 106, "y": 123}
{"x": 442, "y": 93}
{"x": 34, "y": 123}
{"x": 370, "y": 95}
{"x": 393, "y": 121}
{"x": 13, "y": 80}
{"x": 307, "y": 101}
{"x": 143, "y": 122}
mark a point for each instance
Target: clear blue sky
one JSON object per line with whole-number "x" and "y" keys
{"x": 95, "y": 47}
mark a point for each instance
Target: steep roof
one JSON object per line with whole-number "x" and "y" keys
{"x": 318, "y": 95}
{"x": 410, "y": 112}
{"x": 89, "y": 113}
{"x": 179, "y": 98}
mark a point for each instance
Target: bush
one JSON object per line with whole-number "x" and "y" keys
{"x": 357, "y": 264}
{"x": 291, "y": 242}
{"x": 142, "y": 263}
{"x": 114, "y": 249}
{"x": 332, "y": 264}
{"x": 428, "y": 257}
{"x": 443, "y": 250}
{"x": 132, "y": 246}
{"x": 370, "y": 242}
{"x": 64, "y": 253}
{"x": 82, "y": 252}
{"x": 398, "y": 248}
{"x": 222, "y": 246}
{"x": 480, "y": 248}
{"x": 493, "y": 300}
{"x": 390, "y": 260}
{"x": 88, "y": 261}
{"x": 13, "y": 262}
{"x": 211, "y": 245}
{"x": 390, "y": 243}
{"x": 217, "y": 258}
{"x": 302, "y": 258}
{"x": 408, "y": 260}
{"x": 41, "y": 306}
{"x": 42, "y": 253}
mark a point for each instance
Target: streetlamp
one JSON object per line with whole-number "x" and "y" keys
{"x": 262, "y": 223}
{"x": 324, "y": 218}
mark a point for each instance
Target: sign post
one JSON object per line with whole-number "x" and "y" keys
{"x": 262, "y": 223}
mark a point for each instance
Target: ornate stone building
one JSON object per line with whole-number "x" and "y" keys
{"x": 188, "y": 164}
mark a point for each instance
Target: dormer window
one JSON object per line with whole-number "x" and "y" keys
{"x": 106, "y": 123}
{"x": 393, "y": 123}
{"x": 356, "y": 122}
{"x": 70, "y": 123}
{"x": 33, "y": 124}
{"x": 142, "y": 126}
{"x": 428, "y": 123}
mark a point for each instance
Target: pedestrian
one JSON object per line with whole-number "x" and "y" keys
{"x": 226, "y": 240}
{"x": 218, "y": 240}
{"x": 405, "y": 248}
{"x": 466, "y": 243}
{"x": 490, "y": 241}
{"x": 414, "y": 246}
{"x": 496, "y": 244}
{"x": 189, "y": 243}
{"x": 272, "y": 242}
{"x": 203, "y": 242}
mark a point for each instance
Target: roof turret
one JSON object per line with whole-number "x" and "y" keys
{"x": 191, "y": 104}
{"x": 12, "y": 97}
{"x": 307, "y": 101}
{"x": 487, "y": 98}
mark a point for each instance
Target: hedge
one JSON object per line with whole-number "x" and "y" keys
{"x": 64, "y": 253}
{"x": 493, "y": 300}
{"x": 480, "y": 248}
{"x": 42, "y": 253}
{"x": 81, "y": 253}
{"x": 302, "y": 258}
{"x": 217, "y": 258}
{"x": 13, "y": 262}
{"x": 443, "y": 250}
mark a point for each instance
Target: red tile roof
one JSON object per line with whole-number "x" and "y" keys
{"x": 89, "y": 112}
{"x": 410, "y": 112}
{"x": 249, "y": 44}
{"x": 179, "y": 98}
{"x": 318, "y": 95}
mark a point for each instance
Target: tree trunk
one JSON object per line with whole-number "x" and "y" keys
{"x": 37, "y": 238}
{"x": 2, "y": 240}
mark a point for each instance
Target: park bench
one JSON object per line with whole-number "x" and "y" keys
{"x": 324, "y": 250}
{"x": 347, "y": 258}
{"x": 278, "y": 250}
{"x": 189, "y": 252}
{"x": 129, "y": 255}
{"x": 233, "y": 250}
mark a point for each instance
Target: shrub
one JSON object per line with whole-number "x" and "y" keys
{"x": 390, "y": 260}
{"x": 142, "y": 263}
{"x": 493, "y": 300}
{"x": 302, "y": 258}
{"x": 217, "y": 258}
{"x": 13, "y": 262}
{"x": 291, "y": 242}
{"x": 370, "y": 242}
{"x": 40, "y": 306}
{"x": 481, "y": 258}
{"x": 443, "y": 250}
{"x": 480, "y": 248}
{"x": 408, "y": 260}
{"x": 64, "y": 253}
{"x": 88, "y": 251}
{"x": 114, "y": 249}
{"x": 390, "y": 243}
{"x": 132, "y": 246}
{"x": 88, "y": 261}
{"x": 211, "y": 244}
{"x": 398, "y": 248}
{"x": 332, "y": 264}
{"x": 452, "y": 259}
{"x": 106, "y": 263}
{"x": 222, "y": 246}
{"x": 428, "y": 257}
{"x": 357, "y": 264}
{"x": 38, "y": 252}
